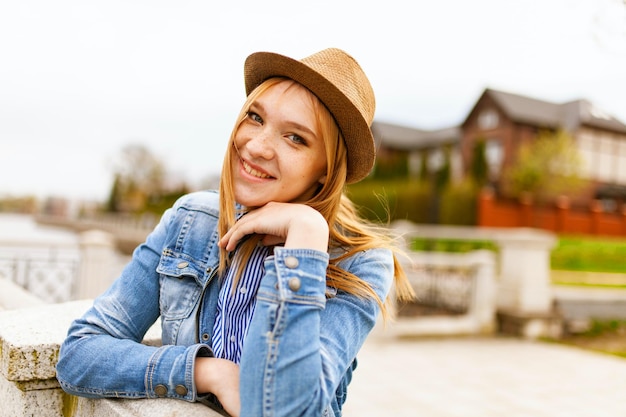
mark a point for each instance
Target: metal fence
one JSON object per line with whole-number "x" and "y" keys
{"x": 440, "y": 290}
{"x": 454, "y": 294}
{"x": 48, "y": 272}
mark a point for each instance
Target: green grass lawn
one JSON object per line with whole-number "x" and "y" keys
{"x": 589, "y": 254}
{"x": 575, "y": 260}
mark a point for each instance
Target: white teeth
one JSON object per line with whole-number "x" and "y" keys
{"x": 253, "y": 171}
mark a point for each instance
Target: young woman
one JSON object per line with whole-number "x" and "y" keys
{"x": 266, "y": 290}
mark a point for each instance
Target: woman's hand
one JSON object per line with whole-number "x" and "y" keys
{"x": 220, "y": 377}
{"x": 296, "y": 225}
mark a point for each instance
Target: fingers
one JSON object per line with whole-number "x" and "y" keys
{"x": 232, "y": 238}
{"x": 269, "y": 221}
{"x": 245, "y": 226}
{"x": 296, "y": 225}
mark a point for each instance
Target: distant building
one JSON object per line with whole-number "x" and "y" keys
{"x": 56, "y": 206}
{"x": 505, "y": 121}
{"x": 393, "y": 140}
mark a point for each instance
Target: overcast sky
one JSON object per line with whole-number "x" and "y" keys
{"x": 81, "y": 79}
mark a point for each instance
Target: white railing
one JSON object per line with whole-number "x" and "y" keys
{"x": 46, "y": 270}
{"x": 62, "y": 271}
{"x": 524, "y": 302}
{"x": 455, "y": 295}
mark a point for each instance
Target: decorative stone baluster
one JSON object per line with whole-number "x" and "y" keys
{"x": 96, "y": 266}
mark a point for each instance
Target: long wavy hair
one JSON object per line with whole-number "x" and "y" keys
{"x": 348, "y": 232}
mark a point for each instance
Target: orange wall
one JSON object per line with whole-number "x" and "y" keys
{"x": 559, "y": 219}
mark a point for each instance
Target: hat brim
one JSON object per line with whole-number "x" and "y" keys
{"x": 356, "y": 132}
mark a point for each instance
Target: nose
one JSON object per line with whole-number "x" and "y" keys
{"x": 261, "y": 144}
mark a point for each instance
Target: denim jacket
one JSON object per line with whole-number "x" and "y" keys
{"x": 300, "y": 349}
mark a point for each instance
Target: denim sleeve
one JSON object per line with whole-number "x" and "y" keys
{"x": 300, "y": 345}
{"x": 103, "y": 356}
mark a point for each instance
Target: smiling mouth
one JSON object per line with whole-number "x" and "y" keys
{"x": 253, "y": 171}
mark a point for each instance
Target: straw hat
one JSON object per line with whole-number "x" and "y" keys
{"x": 340, "y": 83}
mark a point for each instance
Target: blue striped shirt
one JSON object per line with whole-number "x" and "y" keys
{"x": 235, "y": 308}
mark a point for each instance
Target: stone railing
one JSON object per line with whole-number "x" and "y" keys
{"x": 461, "y": 282}
{"x": 523, "y": 295}
{"x": 45, "y": 269}
{"x": 62, "y": 271}
{"x": 30, "y": 338}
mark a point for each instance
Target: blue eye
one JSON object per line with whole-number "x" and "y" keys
{"x": 255, "y": 117}
{"x": 297, "y": 139}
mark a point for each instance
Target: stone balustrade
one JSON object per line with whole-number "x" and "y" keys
{"x": 30, "y": 338}
{"x": 524, "y": 299}
{"x": 479, "y": 317}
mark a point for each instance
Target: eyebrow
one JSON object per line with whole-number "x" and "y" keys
{"x": 298, "y": 126}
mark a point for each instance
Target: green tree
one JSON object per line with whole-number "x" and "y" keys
{"x": 479, "y": 169}
{"x": 443, "y": 174}
{"x": 113, "y": 202}
{"x": 139, "y": 177}
{"x": 545, "y": 168}
{"x": 424, "y": 166}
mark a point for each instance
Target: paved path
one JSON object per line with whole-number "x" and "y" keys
{"x": 489, "y": 377}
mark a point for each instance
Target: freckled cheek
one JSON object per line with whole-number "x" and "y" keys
{"x": 243, "y": 135}
{"x": 238, "y": 141}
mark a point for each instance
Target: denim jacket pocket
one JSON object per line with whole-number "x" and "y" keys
{"x": 180, "y": 287}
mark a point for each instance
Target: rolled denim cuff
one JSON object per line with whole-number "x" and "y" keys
{"x": 296, "y": 276}
{"x": 170, "y": 372}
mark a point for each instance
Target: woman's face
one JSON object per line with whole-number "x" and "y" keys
{"x": 280, "y": 154}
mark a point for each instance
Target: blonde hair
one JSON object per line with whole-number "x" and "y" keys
{"x": 347, "y": 231}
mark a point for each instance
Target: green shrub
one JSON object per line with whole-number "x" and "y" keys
{"x": 392, "y": 167}
{"x": 458, "y": 203}
{"x": 451, "y": 245}
{"x": 390, "y": 200}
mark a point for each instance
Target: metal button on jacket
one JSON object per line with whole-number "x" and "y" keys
{"x": 181, "y": 390}
{"x": 160, "y": 390}
{"x": 182, "y": 265}
{"x": 294, "y": 284}
{"x": 291, "y": 262}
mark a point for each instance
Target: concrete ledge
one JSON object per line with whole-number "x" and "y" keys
{"x": 29, "y": 348}
{"x": 85, "y": 407}
{"x": 13, "y": 296}
{"x": 16, "y": 401}
{"x": 30, "y": 339}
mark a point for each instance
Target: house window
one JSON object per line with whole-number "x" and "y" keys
{"x": 494, "y": 153}
{"x": 587, "y": 154}
{"x": 621, "y": 162}
{"x": 415, "y": 164}
{"x": 606, "y": 157}
{"x": 435, "y": 159}
{"x": 488, "y": 119}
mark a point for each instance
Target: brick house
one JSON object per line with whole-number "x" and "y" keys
{"x": 504, "y": 121}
